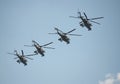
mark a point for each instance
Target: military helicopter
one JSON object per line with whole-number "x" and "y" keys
{"x": 63, "y": 36}
{"x": 85, "y": 21}
{"x": 22, "y": 58}
{"x": 39, "y": 49}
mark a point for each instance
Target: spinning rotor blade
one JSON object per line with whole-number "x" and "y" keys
{"x": 96, "y": 18}
{"x": 15, "y": 50}
{"x": 79, "y": 12}
{"x": 58, "y": 30}
{"x": 85, "y": 15}
{"x": 70, "y": 31}
{"x": 49, "y": 47}
{"x": 22, "y": 52}
{"x": 15, "y": 57}
{"x": 29, "y": 58}
{"x": 73, "y": 17}
{"x": 95, "y": 22}
{"x": 47, "y": 44}
{"x": 11, "y": 53}
{"x": 30, "y": 55}
{"x": 52, "y": 33}
{"x": 75, "y": 34}
{"x": 35, "y": 42}
{"x": 29, "y": 45}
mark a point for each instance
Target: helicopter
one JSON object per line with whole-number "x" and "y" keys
{"x": 39, "y": 49}
{"x": 63, "y": 36}
{"x": 22, "y": 58}
{"x": 86, "y": 21}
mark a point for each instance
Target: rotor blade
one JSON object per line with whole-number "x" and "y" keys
{"x": 96, "y": 18}
{"x": 85, "y": 15}
{"x": 11, "y": 53}
{"x": 29, "y": 58}
{"x": 47, "y": 44}
{"x": 49, "y": 47}
{"x": 30, "y": 55}
{"x": 22, "y": 52}
{"x": 75, "y": 34}
{"x": 15, "y": 50}
{"x": 95, "y": 22}
{"x": 79, "y": 12}
{"x": 70, "y": 31}
{"x": 73, "y": 17}
{"x": 15, "y": 57}
{"x": 35, "y": 42}
{"x": 52, "y": 33}
{"x": 58, "y": 30}
{"x": 29, "y": 45}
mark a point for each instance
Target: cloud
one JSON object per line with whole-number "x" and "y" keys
{"x": 111, "y": 79}
{"x": 118, "y": 76}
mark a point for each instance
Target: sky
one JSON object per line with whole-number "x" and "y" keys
{"x": 92, "y": 58}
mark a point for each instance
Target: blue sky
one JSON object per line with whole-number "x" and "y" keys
{"x": 86, "y": 60}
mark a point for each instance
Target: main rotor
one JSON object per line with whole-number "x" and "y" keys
{"x": 21, "y": 55}
{"x": 86, "y": 18}
{"x": 63, "y": 33}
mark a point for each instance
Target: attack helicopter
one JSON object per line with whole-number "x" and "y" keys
{"x": 86, "y": 21}
{"x": 39, "y": 49}
{"x": 21, "y": 58}
{"x": 63, "y": 36}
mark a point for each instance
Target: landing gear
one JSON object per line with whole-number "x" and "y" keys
{"x": 18, "y": 61}
{"x": 81, "y": 24}
{"x": 35, "y": 52}
{"x": 68, "y": 42}
{"x": 60, "y": 39}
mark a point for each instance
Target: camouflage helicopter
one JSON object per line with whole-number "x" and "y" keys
{"x": 21, "y": 58}
{"x": 39, "y": 49}
{"x": 63, "y": 36}
{"x": 86, "y": 21}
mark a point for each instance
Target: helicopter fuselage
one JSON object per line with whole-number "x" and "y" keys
{"x": 39, "y": 50}
{"x": 63, "y": 38}
{"x": 86, "y": 23}
{"x": 22, "y": 59}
